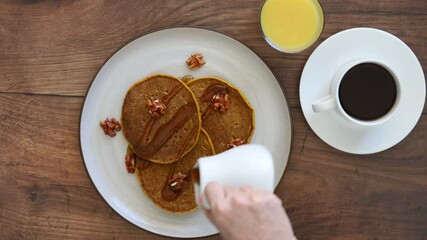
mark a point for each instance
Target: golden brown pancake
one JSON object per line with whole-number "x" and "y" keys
{"x": 154, "y": 177}
{"x": 173, "y": 132}
{"x": 223, "y": 125}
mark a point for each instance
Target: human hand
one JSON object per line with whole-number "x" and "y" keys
{"x": 246, "y": 213}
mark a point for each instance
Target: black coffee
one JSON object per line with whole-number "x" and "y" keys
{"x": 367, "y": 91}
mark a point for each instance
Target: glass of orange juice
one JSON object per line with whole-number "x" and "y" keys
{"x": 291, "y": 26}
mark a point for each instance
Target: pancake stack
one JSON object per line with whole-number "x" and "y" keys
{"x": 169, "y": 136}
{"x": 154, "y": 177}
{"x": 235, "y": 123}
{"x": 170, "y": 124}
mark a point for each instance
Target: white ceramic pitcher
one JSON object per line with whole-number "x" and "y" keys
{"x": 249, "y": 164}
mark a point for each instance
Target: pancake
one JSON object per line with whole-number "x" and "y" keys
{"x": 227, "y": 123}
{"x": 154, "y": 177}
{"x": 160, "y": 119}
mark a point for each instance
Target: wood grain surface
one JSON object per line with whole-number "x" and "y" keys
{"x": 51, "y": 49}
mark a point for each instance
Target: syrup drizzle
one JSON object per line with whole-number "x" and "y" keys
{"x": 146, "y": 149}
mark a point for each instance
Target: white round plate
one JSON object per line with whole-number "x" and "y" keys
{"x": 165, "y": 52}
{"x": 342, "y": 47}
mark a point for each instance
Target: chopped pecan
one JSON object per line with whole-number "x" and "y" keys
{"x": 220, "y": 102}
{"x": 195, "y": 61}
{"x": 110, "y": 126}
{"x": 130, "y": 163}
{"x": 157, "y": 107}
{"x": 234, "y": 142}
{"x": 178, "y": 181}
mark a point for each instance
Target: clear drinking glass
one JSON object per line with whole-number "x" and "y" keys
{"x": 291, "y": 26}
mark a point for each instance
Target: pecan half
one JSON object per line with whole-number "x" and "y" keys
{"x": 110, "y": 126}
{"x": 234, "y": 142}
{"x": 130, "y": 163}
{"x": 220, "y": 102}
{"x": 178, "y": 181}
{"x": 195, "y": 61}
{"x": 157, "y": 107}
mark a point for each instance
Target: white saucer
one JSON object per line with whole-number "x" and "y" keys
{"x": 332, "y": 127}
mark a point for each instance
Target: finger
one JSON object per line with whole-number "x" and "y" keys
{"x": 246, "y": 188}
{"x": 213, "y": 193}
{"x": 230, "y": 190}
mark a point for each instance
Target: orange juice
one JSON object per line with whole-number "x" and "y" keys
{"x": 291, "y": 25}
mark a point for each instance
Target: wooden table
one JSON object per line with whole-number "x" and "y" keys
{"x": 50, "y": 52}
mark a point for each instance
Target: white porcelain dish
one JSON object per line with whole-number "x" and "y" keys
{"x": 165, "y": 51}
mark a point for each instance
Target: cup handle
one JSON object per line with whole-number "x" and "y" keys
{"x": 324, "y": 104}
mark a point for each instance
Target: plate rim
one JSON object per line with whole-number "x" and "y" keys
{"x": 127, "y": 42}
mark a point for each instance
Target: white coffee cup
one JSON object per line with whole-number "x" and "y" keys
{"x": 249, "y": 164}
{"x": 332, "y": 101}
